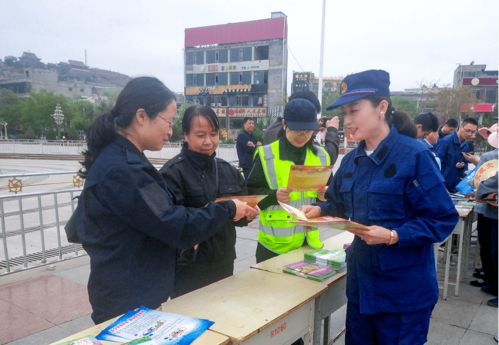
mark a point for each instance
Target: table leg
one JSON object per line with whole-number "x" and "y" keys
{"x": 448, "y": 249}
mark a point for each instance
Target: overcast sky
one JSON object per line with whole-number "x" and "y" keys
{"x": 417, "y": 41}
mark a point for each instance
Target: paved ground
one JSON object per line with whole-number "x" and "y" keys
{"x": 42, "y": 305}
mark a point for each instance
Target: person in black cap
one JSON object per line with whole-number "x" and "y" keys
{"x": 427, "y": 132}
{"x": 331, "y": 138}
{"x": 270, "y": 176}
{"x": 391, "y": 184}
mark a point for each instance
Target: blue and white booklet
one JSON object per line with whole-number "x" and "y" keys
{"x": 156, "y": 327}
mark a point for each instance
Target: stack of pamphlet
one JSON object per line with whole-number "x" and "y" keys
{"x": 151, "y": 327}
{"x": 309, "y": 270}
{"x": 333, "y": 258}
{"x": 318, "y": 265}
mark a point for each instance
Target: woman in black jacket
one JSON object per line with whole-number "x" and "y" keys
{"x": 196, "y": 177}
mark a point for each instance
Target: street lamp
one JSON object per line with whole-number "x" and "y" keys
{"x": 58, "y": 117}
{"x": 4, "y": 124}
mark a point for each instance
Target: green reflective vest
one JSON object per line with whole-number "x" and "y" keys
{"x": 276, "y": 233}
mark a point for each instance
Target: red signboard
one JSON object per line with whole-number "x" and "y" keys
{"x": 487, "y": 81}
{"x": 256, "y": 30}
{"x": 478, "y": 108}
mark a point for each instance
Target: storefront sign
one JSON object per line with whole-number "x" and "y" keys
{"x": 241, "y": 112}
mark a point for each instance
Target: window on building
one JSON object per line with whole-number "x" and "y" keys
{"x": 246, "y": 78}
{"x": 199, "y": 57}
{"x": 223, "y": 55}
{"x": 257, "y": 101}
{"x": 210, "y": 79}
{"x": 245, "y": 100}
{"x": 223, "y": 101}
{"x": 211, "y": 56}
{"x": 262, "y": 53}
{"x": 189, "y": 80}
{"x": 260, "y": 77}
{"x": 232, "y": 101}
{"x": 222, "y": 78}
{"x": 235, "y": 55}
{"x": 189, "y": 58}
{"x": 199, "y": 79}
{"x": 247, "y": 53}
{"x": 491, "y": 95}
{"x": 234, "y": 78}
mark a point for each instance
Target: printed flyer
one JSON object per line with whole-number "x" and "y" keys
{"x": 335, "y": 222}
{"x": 308, "y": 177}
{"x": 156, "y": 327}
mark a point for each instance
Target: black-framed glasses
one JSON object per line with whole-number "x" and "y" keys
{"x": 170, "y": 122}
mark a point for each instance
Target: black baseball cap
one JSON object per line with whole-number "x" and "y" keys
{"x": 300, "y": 115}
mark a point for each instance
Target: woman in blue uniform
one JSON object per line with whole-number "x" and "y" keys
{"x": 196, "y": 177}
{"x": 390, "y": 183}
{"x": 128, "y": 221}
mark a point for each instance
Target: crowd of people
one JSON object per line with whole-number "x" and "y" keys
{"x": 153, "y": 235}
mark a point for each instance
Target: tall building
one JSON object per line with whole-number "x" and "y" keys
{"x": 484, "y": 85}
{"x": 308, "y": 81}
{"x": 239, "y": 69}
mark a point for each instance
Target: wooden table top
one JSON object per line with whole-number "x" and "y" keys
{"x": 247, "y": 302}
{"x": 276, "y": 264}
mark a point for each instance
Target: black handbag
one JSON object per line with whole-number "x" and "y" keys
{"x": 72, "y": 224}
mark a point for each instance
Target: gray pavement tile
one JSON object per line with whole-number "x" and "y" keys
{"x": 442, "y": 333}
{"x": 485, "y": 321}
{"x": 77, "y": 325}
{"x": 477, "y": 338}
{"x": 468, "y": 293}
{"x": 245, "y": 248}
{"x": 76, "y": 274}
{"x": 455, "y": 312}
{"x": 44, "y": 337}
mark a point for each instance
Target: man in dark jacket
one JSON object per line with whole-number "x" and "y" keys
{"x": 246, "y": 144}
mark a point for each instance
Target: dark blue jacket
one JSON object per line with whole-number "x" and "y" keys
{"x": 130, "y": 228}
{"x": 244, "y": 152}
{"x": 450, "y": 151}
{"x": 398, "y": 187}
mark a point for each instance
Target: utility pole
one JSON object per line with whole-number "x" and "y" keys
{"x": 321, "y": 63}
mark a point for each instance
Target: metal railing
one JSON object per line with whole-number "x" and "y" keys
{"x": 32, "y": 229}
{"x": 15, "y": 182}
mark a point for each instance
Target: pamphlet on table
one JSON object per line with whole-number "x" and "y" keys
{"x": 147, "y": 327}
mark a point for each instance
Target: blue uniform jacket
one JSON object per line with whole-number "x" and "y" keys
{"x": 398, "y": 187}
{"x": 130, "y": 228}
{"x": 450, "y": 151}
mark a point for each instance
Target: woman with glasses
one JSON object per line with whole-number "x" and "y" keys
{"x": 128, "y": 221}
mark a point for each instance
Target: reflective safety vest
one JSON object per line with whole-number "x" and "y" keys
{"x": 276, "y": 233}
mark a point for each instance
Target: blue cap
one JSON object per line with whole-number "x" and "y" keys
{"x": 361, "y": 85}
{"x": 300, "y": 115}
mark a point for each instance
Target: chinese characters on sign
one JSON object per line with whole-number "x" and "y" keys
{"x": 241, "y": 112}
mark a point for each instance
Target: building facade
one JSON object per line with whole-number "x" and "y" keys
{"x": 239, "y": 69}
{"x": 484, "y": 85}
{"x": 308, "y": 81}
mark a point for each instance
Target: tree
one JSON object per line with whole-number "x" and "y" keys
{"x": 406, "y": 105}
{"x": 450, "y": 101}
